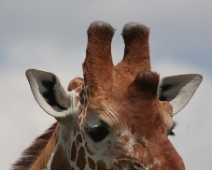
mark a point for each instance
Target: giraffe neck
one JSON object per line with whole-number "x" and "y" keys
{"x": 55, "y": 155}
{"x": 61, "y": 150}
{"x": 66, "y": 151}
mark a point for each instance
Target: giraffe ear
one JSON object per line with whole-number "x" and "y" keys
{"x": 49, "y": 93}
{"x": 178, "y": 89}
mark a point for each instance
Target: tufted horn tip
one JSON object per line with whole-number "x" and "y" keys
{"x": 102, "y": 27}
{"x": 133, "y": 29}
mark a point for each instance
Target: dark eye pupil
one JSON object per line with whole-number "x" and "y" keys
{"x": 97, "y": 133}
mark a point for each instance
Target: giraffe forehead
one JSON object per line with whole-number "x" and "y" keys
{"x": 136, "y": 122}
{"x": 127, "y": 109}
{"x": 101, "y": 115}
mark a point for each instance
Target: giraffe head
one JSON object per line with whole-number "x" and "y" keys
{"x": 117, "y": 117}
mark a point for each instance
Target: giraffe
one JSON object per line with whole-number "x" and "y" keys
{"x": 115, "y": 117}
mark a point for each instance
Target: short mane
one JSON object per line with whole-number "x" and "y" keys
{"x": 30, "y": 154}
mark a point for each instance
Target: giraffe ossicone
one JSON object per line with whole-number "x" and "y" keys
{"x": 115, "y": 117}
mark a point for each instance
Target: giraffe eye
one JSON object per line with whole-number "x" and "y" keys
{"x": 97, "y": 133}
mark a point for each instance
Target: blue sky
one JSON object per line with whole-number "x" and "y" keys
{"x": 51, "y": 35}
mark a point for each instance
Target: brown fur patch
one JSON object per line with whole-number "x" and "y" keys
{"x": 101, "y": 165}
{"x": 81, "y": 161}
{"x": 73, "y": 151}
{"x": 75, "y": 130}
{"x": 79, "y": 139}
{"x": 86, "y": 102}
{"x": 30, "y": 155}
{"x": 82, "y": 93}
{"x": 60, "y": 160}
{"x": 91, "y": 163}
